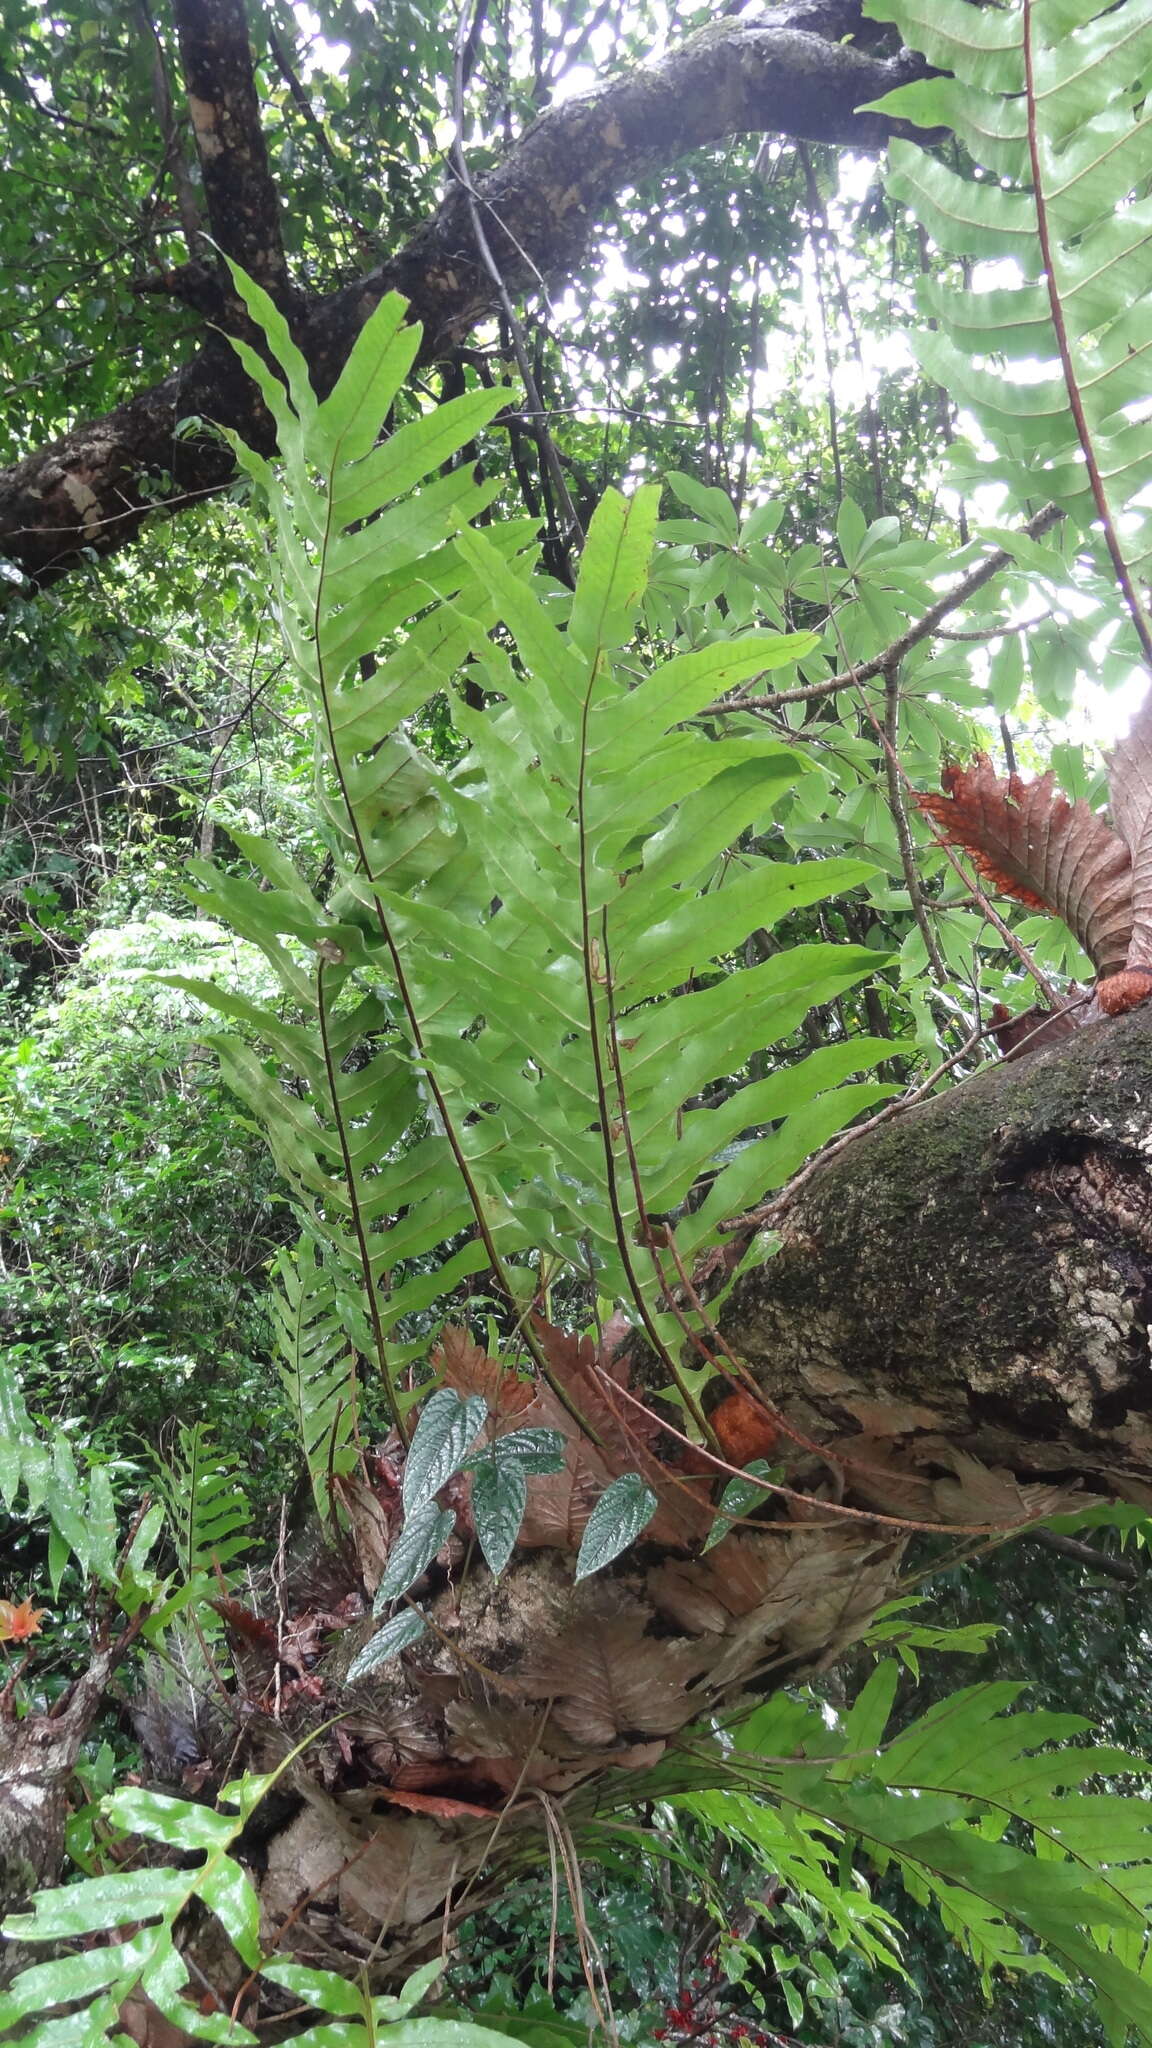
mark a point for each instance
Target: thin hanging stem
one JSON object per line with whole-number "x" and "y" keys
{"x": 903, "y": 829}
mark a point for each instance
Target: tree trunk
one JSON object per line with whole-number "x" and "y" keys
{"x": 979, "y": 1271}
{"x": 803, "y": 71}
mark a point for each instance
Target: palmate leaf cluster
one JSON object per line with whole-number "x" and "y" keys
{"x": 1049, "y": 99}
{"x": 499, "y": 1030}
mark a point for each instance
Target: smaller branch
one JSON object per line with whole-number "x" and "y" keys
{"x": 292, "y": 80}
{"x": 459, "y": 166}
{"x": 770, "y": 1213}
{"x": 924, "y": 627}
{"x": 992, "y": 632}
{"x": 1120, "y": 1568}
{"x": 174, "y": 159}
{"x": 243, "y": 206}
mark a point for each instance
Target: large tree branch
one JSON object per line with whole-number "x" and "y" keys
{"x": 976, "y": 1279}
{"x": 789, "y": 75}
{"x": 243, "y": 206}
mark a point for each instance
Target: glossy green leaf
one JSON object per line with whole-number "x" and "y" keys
{"x": 447, "y": 1427}
{"x": 499, "y": 1498}
{"x": 623, "y": 1510}
{"x": 425, "y": 1530}
{"x": 400, "y": 1633}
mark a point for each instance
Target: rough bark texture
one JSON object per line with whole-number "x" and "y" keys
{"x": 984, "y": 1263}
{"x": 243, "y": 209}
{"x": 790, "y": 74}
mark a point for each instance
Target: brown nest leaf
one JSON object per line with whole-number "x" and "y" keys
{"x": 1029, "y": 842}
{"x": 986, "y": 1493}
{"x": 1130, "y": 790}
{"x": 1030, "y": 1030}
{"x": 607, "y": 1679}
{"x": 468, "y": 1369}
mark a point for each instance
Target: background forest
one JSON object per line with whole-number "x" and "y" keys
{"x": 461, "y": 863}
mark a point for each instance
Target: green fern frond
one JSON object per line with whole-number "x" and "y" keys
{"x": 982, "y": 1815}
{"x": 208, "y": 1513}
{"x": 1050, "y": 101}
{"x": 314, "y": 1319}
{"x": 504, "y": 1023}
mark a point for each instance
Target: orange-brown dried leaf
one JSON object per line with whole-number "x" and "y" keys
{"x": 607, "y": 1679}
{"x": 439, "y": 1807}
{"x": 468, "y": 1369}
{"x": 988, "y": 1493}
{"x": 371, "y": 1522}
{"x": 1029, "y": 842}
{"x": 624, "y": 1431}
{"x": 620, "y": 1425}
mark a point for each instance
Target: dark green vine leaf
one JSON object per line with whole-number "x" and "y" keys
{"x": 398, "y": 1634}
{"x": 440, "y": 1444}
{"x": 534, "y": 1450}
{"x": 499, "y": 1497}
{"x": 622, "y": 1511}
{"x": 426, "y": 1529}
{"x": 738, "y": 1497}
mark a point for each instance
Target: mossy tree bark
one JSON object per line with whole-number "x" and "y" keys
{"x": 984, "y": 1263}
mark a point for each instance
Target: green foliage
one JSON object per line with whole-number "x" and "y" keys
{"x": 41, "y": 1472}
{"x": 208, "y": 1515}
{"x": 1049, "y": 103}
{"x": 500, "y": 1486}
{"x": 621, "y": 1514}
{"x": 137, "y": 1213}
{"x": 98, "y": 1978}
{"x": 949, "y": 1802}
{"x": 521, "y": 1022}
{"x": 315, "y": 1318}
{"x": 539, "y": 930}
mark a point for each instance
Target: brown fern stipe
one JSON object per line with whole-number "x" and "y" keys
{"x": 1027, "y": 841}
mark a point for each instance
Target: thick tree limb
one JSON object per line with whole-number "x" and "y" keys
{"x": 243, "y": 205}
{"x": 790, "y": 75}
{"x": 978, "y": 1275}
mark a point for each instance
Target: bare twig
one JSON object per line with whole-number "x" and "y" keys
{"x": 459, "y": 166}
